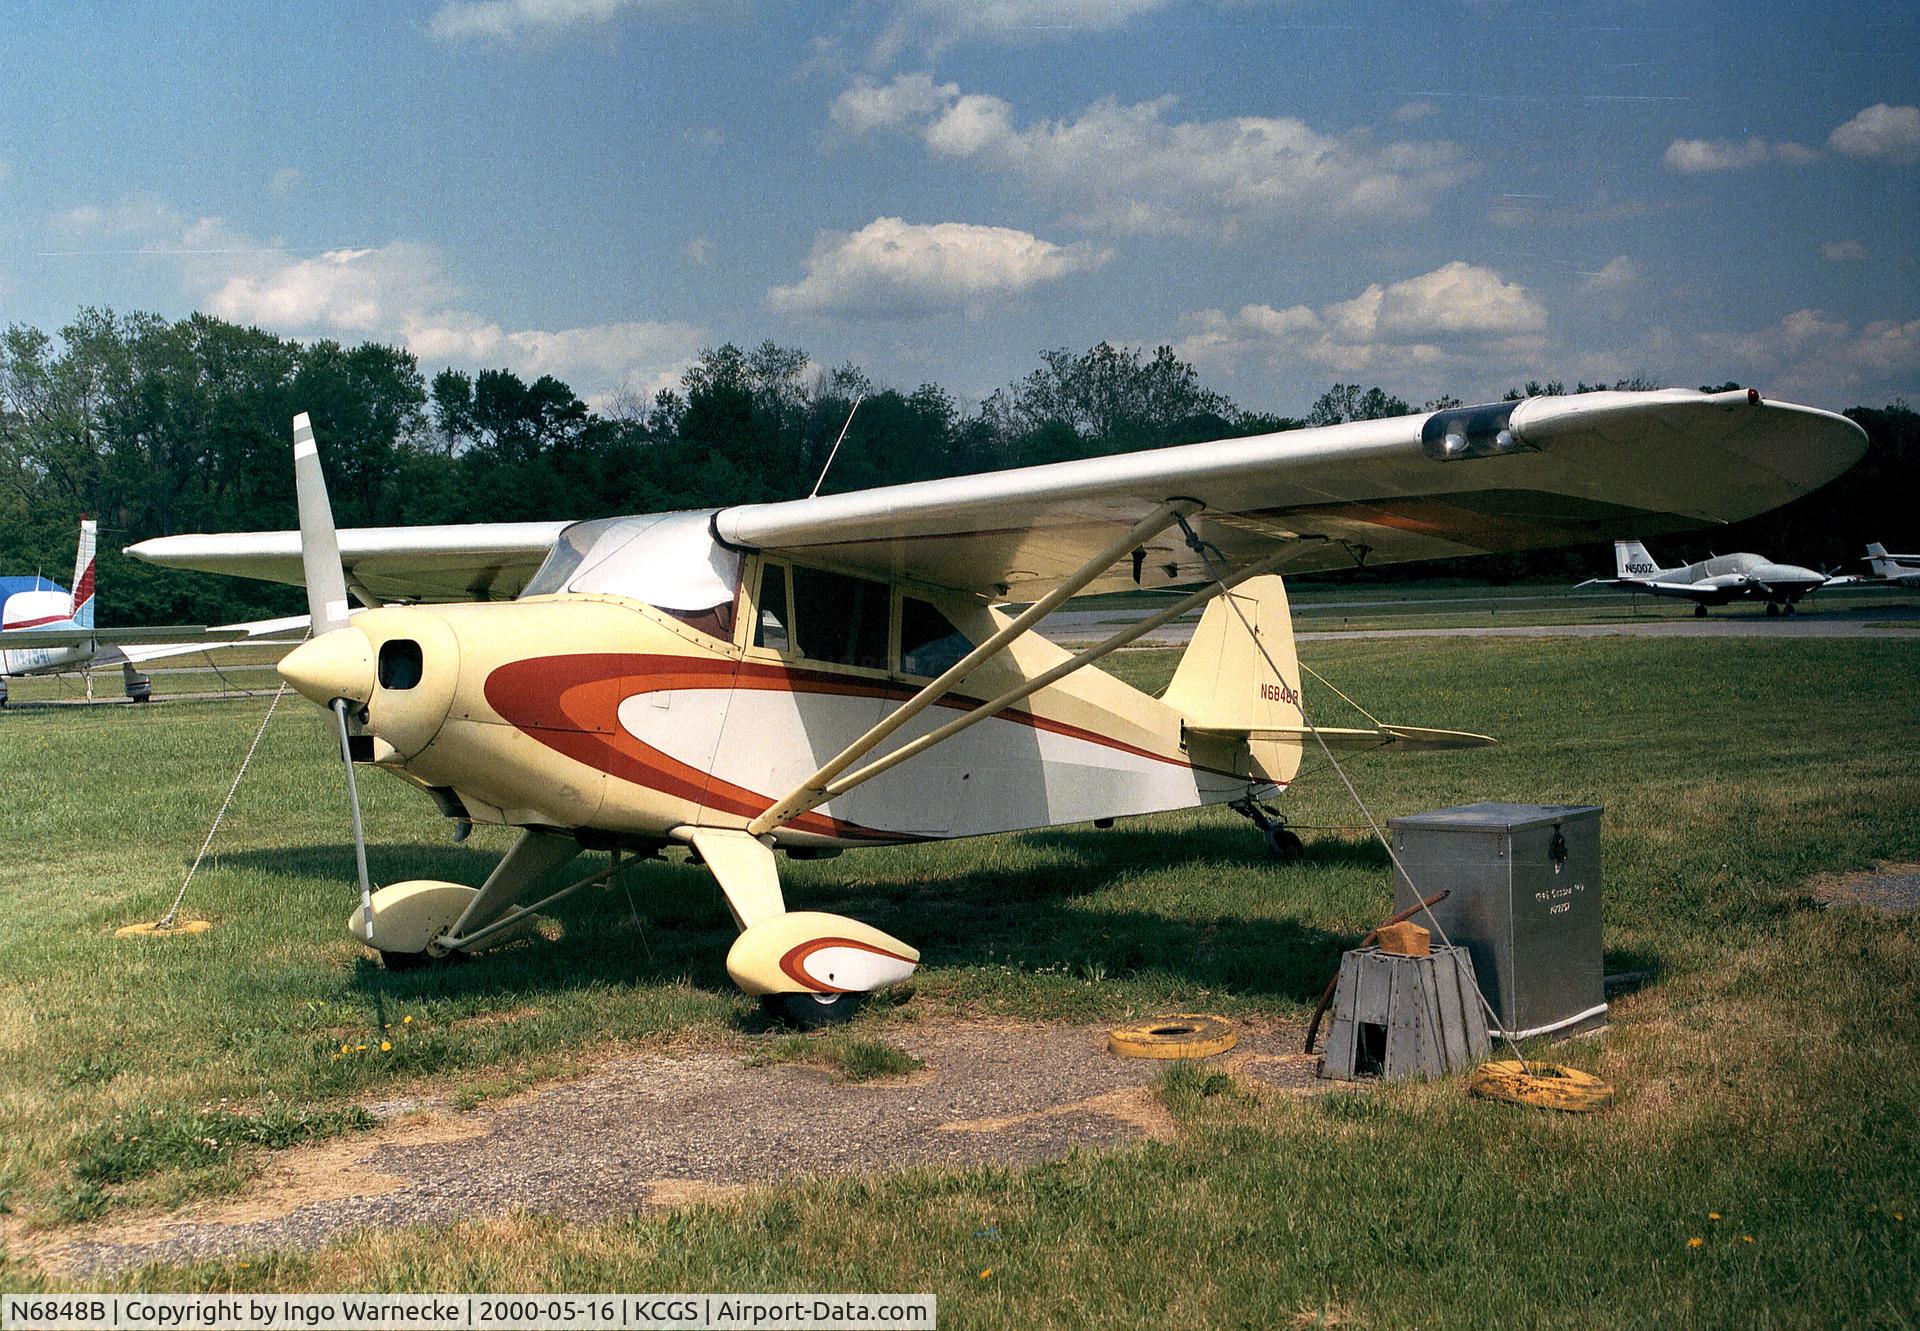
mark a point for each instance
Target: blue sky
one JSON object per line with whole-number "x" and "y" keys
{"x": 1449, "y": 198}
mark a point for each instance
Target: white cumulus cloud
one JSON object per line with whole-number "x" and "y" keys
{"x": 1882, "y": 133}
{"x": 896, "y": 269}
{"x": 1697, "y": 156}
{"x": 1614, "y": 274}
{"x": 869, "y": 105}
{"x": 133, "y": 217}
{"x": 1815, "y": 354}
{"x": 1457, "y": 312}
{"x": 934, "y": 25}
{"x": 1137, "y": 168}
{"x": 403, "y": 293}
{"x": 1843, "y": 251}
{"x": 509, "y": 20}
{"x": 358, "y": 291}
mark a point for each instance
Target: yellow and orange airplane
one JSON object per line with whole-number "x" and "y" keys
{"x": 850, "y": 670}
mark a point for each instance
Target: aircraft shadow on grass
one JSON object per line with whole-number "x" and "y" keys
{"x": 668, "y": 924}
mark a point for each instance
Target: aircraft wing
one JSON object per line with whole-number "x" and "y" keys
{"x": 22, "y": 638}
{"x": 485, "y": 561}
{"x": 1511, "y": 476}
{"x": 116, "y": 650}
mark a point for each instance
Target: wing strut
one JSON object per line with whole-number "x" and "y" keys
{"x": 819, "y": 790}
{"x": 812, "y": 793}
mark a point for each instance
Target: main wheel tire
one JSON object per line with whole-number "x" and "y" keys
{"x": 1283, "y": 845}
{"x": 811, "y": 1012}
{"x": 1699, "y": 610}
{"x": 1773, "y": 609}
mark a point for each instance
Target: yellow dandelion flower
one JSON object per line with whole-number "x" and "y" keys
{"x": 1746, "y": 1238}
{"x": 1695, "y": 1241}
{"x": 406, "y": 1021}
{"x": 359, "y": 1049}
{"x": 386, "y": 1046}
{"x": 1898, "y": 1216}
{"x": 343, "y": 1049}
{"x": 1713, "y": 1215}
{"x": 987, "y": 1272}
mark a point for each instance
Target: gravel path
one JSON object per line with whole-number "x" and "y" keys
{"x": 665, "y": 1129}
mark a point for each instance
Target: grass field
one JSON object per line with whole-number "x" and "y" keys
{"x": 1769, "y": 1072}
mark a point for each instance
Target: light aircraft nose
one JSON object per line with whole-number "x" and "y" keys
{"x": 334, "y": 665}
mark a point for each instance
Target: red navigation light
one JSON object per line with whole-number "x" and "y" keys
{"x": 1753, "y": 396}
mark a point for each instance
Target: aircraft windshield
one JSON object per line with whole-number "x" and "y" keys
{"x": 668, "y": 560}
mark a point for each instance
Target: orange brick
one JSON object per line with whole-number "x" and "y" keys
{"x": 1405, "y": 939}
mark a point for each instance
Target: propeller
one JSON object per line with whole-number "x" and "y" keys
{"x": 327, "y": 606}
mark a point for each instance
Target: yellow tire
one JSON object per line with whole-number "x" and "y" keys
{"x": 1183, "y": 1035}
{"x": 1545, "y": 1086}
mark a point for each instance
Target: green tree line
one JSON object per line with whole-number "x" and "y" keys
{"x": 158, "y": 426}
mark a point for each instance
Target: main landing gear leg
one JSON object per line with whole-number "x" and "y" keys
{"x": 808, "y": 968}
{"x": 1282, "y": 844}
{"x": 414, "y": 921}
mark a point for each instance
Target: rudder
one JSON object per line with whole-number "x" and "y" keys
{"x": 83, "y": 573}
{"x": 1224, "y": 681}
{"x": 1631, "y": 560}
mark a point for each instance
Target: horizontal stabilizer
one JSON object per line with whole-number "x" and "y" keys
{"x": 1401, "y": 739}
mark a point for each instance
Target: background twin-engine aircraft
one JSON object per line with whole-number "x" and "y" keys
{"x": 850, "y": 670}
{"x": 1714, "y": 581}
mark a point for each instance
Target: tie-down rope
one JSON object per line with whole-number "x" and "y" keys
{"x": 166, "y": 921}
{"x": 1208, "y": 552}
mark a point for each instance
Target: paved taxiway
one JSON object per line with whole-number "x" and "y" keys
{"x": 1079, "y": 628}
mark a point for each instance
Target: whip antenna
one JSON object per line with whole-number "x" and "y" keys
{"x": 835, "y": 451}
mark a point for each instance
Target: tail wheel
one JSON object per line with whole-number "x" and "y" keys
{"x": 1282, "y": 844}
{"x": 811, "y": 1012}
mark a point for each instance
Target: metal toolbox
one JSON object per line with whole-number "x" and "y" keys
{"x": 1525, "y": 903}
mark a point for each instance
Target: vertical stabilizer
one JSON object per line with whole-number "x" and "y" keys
{"x": 1224, "y": 682}
{"x": 83, "y": 573}
{"x": 1631, "y": 560}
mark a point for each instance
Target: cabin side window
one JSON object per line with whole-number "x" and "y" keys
{"x": 929, "y": 643}
{"x": 840, "y": 619}
{"x": 770, "y": 610}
